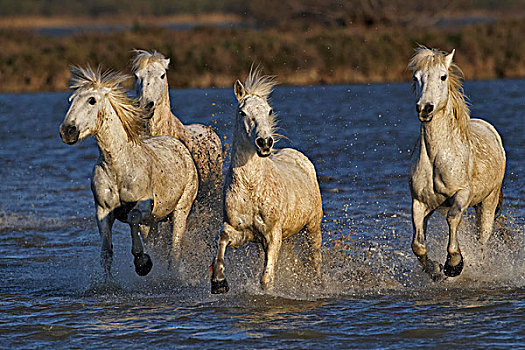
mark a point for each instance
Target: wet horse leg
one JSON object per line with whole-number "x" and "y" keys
{"x": 485, "y": 213}
{"x": 454, "y": 264}
{"x": 179, "y": 218}
{"x": 142, "y": 261}
{"x": 105, "y": 220}
{"x": 315, "y": 239}
{"x": 420, "y": 216}
{"x": 141, "y": 211}
{"x": 227, "y": 237}
{"x": 273, "y": 246}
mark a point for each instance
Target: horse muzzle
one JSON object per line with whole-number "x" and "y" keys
{"x": 69, "y": 133}
{"x": 264, "y": 146}
{"x": 426, "y": 113}
{"x": 425, "y": 118}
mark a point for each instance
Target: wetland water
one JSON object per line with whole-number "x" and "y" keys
{"x": 374, "y": 294}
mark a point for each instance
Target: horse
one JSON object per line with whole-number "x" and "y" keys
{"x": 151, "y": 84}
{"x": 457, "y": 163}
{"x": 268, "y": 196}
{"x": 136, "y": 180}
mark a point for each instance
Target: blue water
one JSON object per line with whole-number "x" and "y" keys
{"x": 375, "y": 295}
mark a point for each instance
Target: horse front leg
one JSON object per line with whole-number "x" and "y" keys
{"x": 105, "y": 220}
{"x": 420, "y": 216}
{"x": 142, "y": 261}
{"x": 454, "y": 264}
{"x": 273, "y": 246}
{"x": 228, "y": 236}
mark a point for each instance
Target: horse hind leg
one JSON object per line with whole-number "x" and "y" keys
{"x": 486, "y": 212}
{"x": 315, "y": 240}
{"x": 178, "y": 220}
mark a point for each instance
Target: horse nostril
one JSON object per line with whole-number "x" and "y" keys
{"x": 150, "y": 105}
{"x": 418, "y": 108}
{"x": 260, "y": 142}
{"x": 429, "y": 108}
{"x": 269, "y": 142}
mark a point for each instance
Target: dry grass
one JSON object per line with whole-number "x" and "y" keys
{"x": 205, "y": 56}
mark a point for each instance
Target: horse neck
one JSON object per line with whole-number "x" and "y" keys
{"x": 112, "y": 139}
{"x": 246, "y": 164}
{"x": 442, "y": 132}
{"x": 163, "y": 121}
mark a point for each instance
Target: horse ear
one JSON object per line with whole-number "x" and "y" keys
{"x": 165, "y": 63}
{"x": 448, "y": 58}
{"x": 239, "y": 91}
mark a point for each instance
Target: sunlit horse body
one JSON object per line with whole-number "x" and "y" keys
{"x": 458, "y": 162}
{"x": 205, "y": 146}
{"x": 268, "y": 197}
{"x": 137, "y": 181}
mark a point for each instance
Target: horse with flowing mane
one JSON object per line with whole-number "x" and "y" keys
{"x": 136, "y": 180}
{"x": 458, "y": 162}
{"x": 268, "y": 196}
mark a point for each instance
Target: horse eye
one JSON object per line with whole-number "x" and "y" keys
{"x": 163, "y": 75}
{"x": 92, "y": 101}
{"x": 241, "y": 112}
{"x": 444, "y": 77}
{"x": 414, "y": 78}
{"x": 270, "y": 112}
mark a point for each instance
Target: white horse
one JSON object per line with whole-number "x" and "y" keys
{"x": 458, "y": 162}
{"x": 137, "y": 181}
{"x": 268, "y": 197}
{"x": 205, "y": 146}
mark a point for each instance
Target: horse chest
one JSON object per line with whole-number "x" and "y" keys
{"x": 434, "y": 180}
{"x": 249, "y": 208}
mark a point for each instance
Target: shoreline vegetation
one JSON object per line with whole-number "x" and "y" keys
{"x": 213, "y": 50}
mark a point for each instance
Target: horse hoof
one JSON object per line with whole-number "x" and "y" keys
{"x": 143, "y": 264}
{"x": 219, "y": 287}
{"x": 453, "y": 271}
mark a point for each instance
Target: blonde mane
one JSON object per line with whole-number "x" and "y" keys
{"x": 425, "y": 58}
{"x": 259, "y": 85}
{"x": 144, "y": 58}
{"x": 129, "y": 114}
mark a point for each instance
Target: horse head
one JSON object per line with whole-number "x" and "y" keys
{"x": 255, "y": 121}
{"x": 151, "y": 82}
{"x": 431, "y": 81}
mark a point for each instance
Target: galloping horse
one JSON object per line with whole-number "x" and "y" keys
{"x": 205, "y": 146}
{"x": 458, "y": 162}
{"x": 137, "y": 181}
{"x": 268, "y": 196}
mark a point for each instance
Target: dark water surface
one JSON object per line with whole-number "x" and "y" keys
{"x": 374, "y": 294}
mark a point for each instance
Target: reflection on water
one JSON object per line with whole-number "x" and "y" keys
{"x": 373, "y": 292}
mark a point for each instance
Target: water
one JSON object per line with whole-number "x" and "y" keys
{"x": 360, "y": 139}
